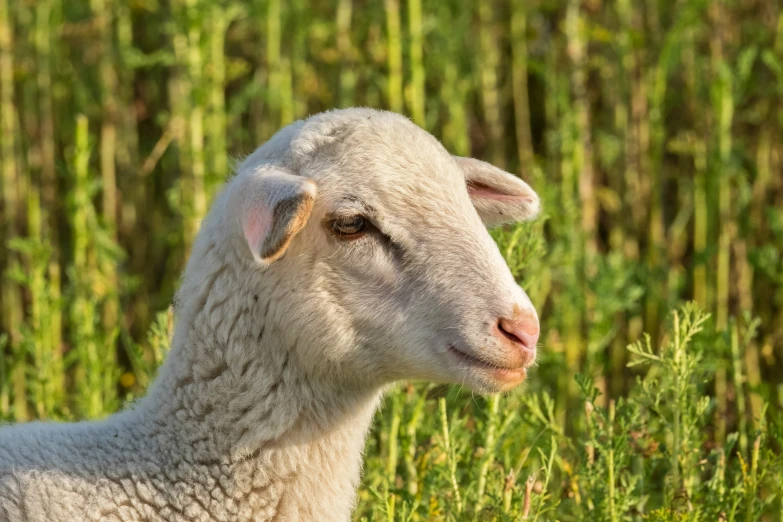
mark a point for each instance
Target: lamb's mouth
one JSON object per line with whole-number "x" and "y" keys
{"x": 498, "y": 371}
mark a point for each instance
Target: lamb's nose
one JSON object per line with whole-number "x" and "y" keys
{"x": 523, "y": 330}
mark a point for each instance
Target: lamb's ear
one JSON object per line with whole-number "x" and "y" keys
{"x": 272, "y": 206}
{"x": 499, "y": 197}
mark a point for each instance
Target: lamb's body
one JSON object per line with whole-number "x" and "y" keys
{"x": 124, "y": 471}
{"x": 130, "y": 471}
{"x": 277, "y": 365}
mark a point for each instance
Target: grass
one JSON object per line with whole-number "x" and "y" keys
{"x": 653, "y": 132}
{"x": 648, "y": 455}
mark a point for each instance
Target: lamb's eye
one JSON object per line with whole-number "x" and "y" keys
{"x": 349, "y": 227}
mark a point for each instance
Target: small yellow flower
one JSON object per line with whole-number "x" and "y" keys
{"x": 127, "y": 379}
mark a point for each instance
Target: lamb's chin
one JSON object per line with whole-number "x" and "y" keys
{"x": 487, "y": 382}
{"x": 484, "y": 381}
{"x": 482, "y": 377}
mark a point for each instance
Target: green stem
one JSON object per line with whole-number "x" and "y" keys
{"x": 394, "y": 59}
{"x": 519, "y": 64}
{"x": 610, "y": 465}
{"x": 11, "y": 293}
{"x": 393, "y": 436}
{"x": 490, "y": 94}
{"x": 347, "y": 53}
{"x": 489, "y": 448}
{"x": 416, "y": 87}
{"x": 450, "y": 452}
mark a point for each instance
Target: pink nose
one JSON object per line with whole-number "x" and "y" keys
{"x": 522, "y": 330}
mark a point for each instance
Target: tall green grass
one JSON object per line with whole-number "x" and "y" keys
{"x": 653, "y": 132}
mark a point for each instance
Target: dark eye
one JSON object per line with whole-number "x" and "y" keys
{"x": 349, "y": 227}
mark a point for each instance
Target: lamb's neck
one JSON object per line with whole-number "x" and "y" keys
{"x": 246, "y": 403}
{"x": 259, "y": 405}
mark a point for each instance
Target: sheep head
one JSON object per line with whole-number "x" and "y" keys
{"x": 370, "y": 242}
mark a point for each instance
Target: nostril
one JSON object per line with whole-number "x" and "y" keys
{"x": 521, "y": 331}
{"x": 508, "y": 334}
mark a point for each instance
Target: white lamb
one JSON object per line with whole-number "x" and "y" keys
{"x": 347, "y": 253}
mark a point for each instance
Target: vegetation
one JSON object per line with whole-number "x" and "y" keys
{"x": 653, "y": 131}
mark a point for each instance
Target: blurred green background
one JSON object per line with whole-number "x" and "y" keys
{"x": 652, "y": 130}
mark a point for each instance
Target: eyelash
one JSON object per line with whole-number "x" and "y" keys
{"x": 394, "y": 248}
{"x": 364, "y": 224}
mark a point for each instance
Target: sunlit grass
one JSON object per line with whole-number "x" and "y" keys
{"x": 653, "y": 132}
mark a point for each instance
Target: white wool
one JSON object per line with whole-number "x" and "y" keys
{"x": 286, "y": 335}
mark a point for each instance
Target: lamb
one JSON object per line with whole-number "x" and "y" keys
{"x": 347, "y": 253}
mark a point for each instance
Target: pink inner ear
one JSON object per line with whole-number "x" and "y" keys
{"x": 481, "y": 191}
{"x": 256, "y": 227}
